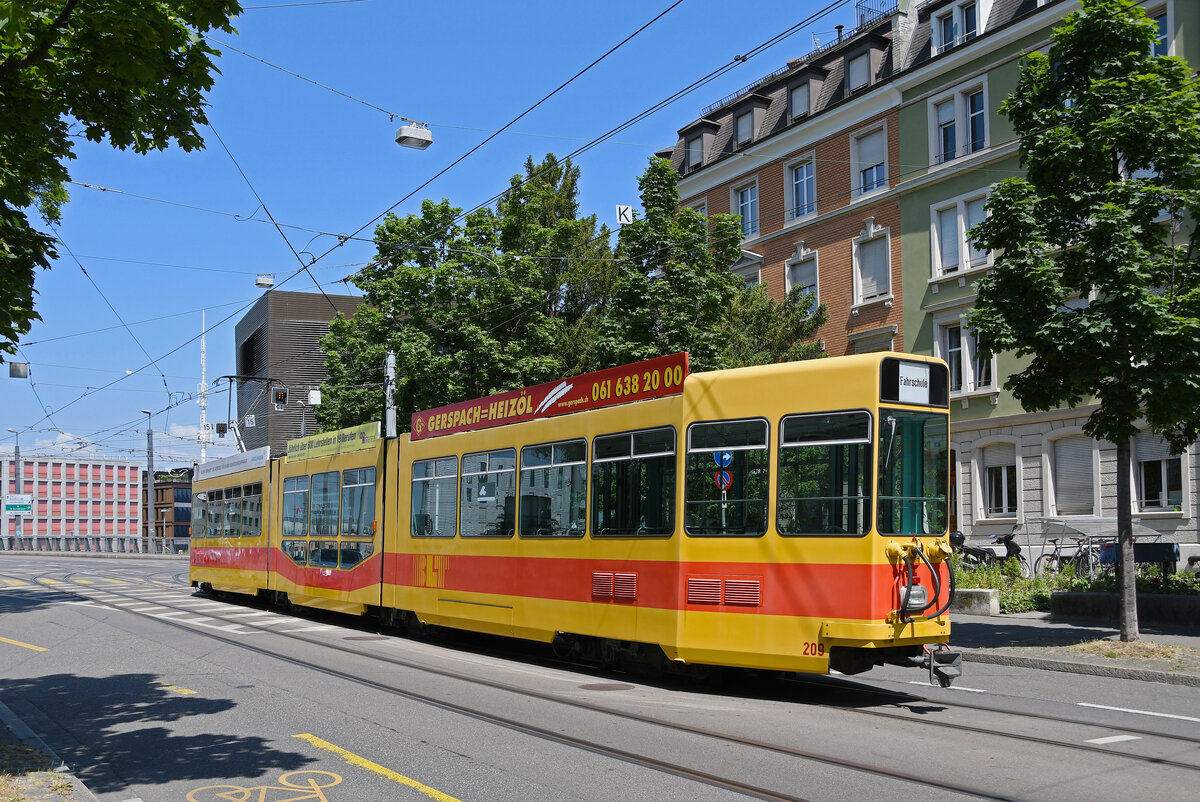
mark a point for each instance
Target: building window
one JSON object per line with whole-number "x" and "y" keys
{"x": 872, "y": 265}
{"x": 1159, "y": 475}
{"x": 868, "y": 152}
{"x": 802, "y": 275}
{"x": 746, "y": 203}
{"x": 1000, "y": 480}
{"x": 694, "y": 155}
{"x": 951, "y": 115}
{"x": 957, "y": 26}
{"x": 1162, "y": 43}
{"x": 951, "y": 243}
{"x": 744, "y": 129}
{"x": 798, "y": 101}
{"x": 803, "y": 182}
{"x": 858, "y": 71}
{"x": 1073, "y": 475}
{"x": 969, "y": 370}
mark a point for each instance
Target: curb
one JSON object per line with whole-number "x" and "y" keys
{"x": 20, "y": 730}
{"x": 1094, "y": 669}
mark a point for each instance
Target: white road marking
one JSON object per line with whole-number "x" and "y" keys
{"x": 1139, "y": 712}
{"x": 951, "y": 688}
{"x": 1112, "y": 739}
{"x": 308, "y": 629}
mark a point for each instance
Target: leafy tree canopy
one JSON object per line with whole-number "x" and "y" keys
{"x": 1092, "y": 280}
{"x": 470, "y": 308}
{"x": 132, "y": 71}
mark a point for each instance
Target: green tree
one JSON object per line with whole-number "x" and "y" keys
{"x": 675, "y": 292}
{"x": 1091, "y": 282}
{"x": 470, "y": 308}
{"x": 133, "y": 71}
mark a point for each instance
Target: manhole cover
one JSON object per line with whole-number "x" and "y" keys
{"x": 606, "y": 686}
{"x": 365, "y": 637}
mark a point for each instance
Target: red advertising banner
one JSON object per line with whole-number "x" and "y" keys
{"x": 653, "y": 378}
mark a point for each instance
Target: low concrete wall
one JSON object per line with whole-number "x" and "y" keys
{"x": 1154, "y": 607}
{"x": 976, "y": 601}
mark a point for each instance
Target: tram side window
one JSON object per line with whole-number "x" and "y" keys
{"x": 252, "y": 510}
{"x": 554, "y": 489}
{"x": 633, "y": 484}
{"x": 199, "y": 514}
{"x": 215, "y": 506}
{"x": 727, "y": 474}
{"x": 323, "y": 515}
{"x": 233, "y": 511}
{"x": 913, "y": 472}
{"x": 295, "y": 506}
{"x": 296, "y": 550}
{"x": 323, "y": 553}
{"x": 825, "y": 474}
{"x": 358, "y": 502}
{"x": 487, "y": 499}
{"x": 435, "y": 497}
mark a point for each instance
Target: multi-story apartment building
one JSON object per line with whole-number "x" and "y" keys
{"x": 858, "y": 170}
{"x": 172, "y": 508}
{"x": 74, "y": 497}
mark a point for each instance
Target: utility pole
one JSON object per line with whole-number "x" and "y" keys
{"x": 149, "y": 475}
{"x": 20, "y": 480}
{"x": 389, "y": 392}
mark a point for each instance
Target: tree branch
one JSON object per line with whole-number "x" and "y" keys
{"x": 50, "y": 37}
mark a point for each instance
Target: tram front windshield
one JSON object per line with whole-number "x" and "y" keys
{"x": 913, "y": 450}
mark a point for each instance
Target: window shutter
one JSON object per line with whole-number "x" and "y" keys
{"x": 872, "y": 149}
{"x": 869, "y": 345}
{"x": 1073, "y": 475}
{"x": 999, "y": 455}
{"x": 1148, "y": 446}
{"x": 948, "y": 238}
{"x": 802, "y": 274}
{"x": 873, "y": 268}
{"x": 800, "y": 100}
{"x": 859, "y": 69}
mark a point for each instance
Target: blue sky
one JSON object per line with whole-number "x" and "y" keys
{"x": 326, "y": 163}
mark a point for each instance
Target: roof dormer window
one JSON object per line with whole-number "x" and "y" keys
{"x": 798, "y": 101}
{"x": 743, "y": 129}
{"x": 858, "y": 71}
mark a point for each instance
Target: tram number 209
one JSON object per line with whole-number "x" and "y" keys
{"x": 814, "y": 649}
{"x": 635, "y": 383}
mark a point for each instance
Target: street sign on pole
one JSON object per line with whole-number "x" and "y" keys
{"x": 624, "y": 215}
{"x": 18, "y": 504}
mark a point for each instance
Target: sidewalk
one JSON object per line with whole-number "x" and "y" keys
{"x": 38, "y": 772}
{"x": 1034, "y": 640}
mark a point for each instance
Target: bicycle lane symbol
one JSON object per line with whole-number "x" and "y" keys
{"x": 311, "y": 783}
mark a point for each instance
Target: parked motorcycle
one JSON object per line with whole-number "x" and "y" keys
{"x": 974, "y": 556}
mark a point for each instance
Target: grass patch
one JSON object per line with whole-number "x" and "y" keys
{"x": 1019, "y": 594}
{"x": 1138, "y": 649}
{"x": 21, "y": 759}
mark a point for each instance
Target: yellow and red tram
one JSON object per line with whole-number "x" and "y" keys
{"x": 788, "y": 517}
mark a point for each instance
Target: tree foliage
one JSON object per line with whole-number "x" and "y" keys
{"x": 1092, "y": 281}
{"x": 532, "y": 292}
{"x": 470, "y": 308}
{"x": 132, "y": 71}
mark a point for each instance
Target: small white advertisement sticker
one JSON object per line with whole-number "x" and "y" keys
{"x": 914, "y": 383}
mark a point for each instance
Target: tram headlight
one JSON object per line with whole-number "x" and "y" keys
{"x": 914, "y": 598}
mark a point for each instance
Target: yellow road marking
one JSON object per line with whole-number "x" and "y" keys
{"x": 26, "y": 645}
{"x": 363, "y": 763}
{"x": 84, "y": 582}
{"x": 167, "y": 687}
{"x": 51, "y": 582}
{"x": 15, "y": 582}
{"x": 115, "y": 581}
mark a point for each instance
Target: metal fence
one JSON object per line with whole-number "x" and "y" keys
{"x": 115, "y": 544}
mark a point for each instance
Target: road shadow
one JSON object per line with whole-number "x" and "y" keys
{"x": 110, "y": 731}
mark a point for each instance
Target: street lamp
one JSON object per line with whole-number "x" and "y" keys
{"x": 19, "y": 477}
{"x": 149, "y": 473}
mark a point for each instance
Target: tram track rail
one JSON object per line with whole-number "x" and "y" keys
{"x": 829, "y": 684}
{"x": 594, "y": 747}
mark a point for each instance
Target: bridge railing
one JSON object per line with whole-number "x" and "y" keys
{"x": 115, "y": 544}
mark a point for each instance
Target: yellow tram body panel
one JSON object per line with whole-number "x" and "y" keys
{"x": 326, "y": 544}
{"x": 229, "y": 542}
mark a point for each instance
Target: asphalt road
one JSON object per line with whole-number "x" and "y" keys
{"x": 150, "y": 692}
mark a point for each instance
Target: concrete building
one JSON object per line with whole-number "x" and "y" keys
{"x": 278, "y": 347}
{"x": 171, "y": 513}
{"x": 73, "y": 498}
{"x": 858, "y": 169}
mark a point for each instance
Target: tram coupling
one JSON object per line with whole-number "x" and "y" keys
{"x": 944, "y": 664}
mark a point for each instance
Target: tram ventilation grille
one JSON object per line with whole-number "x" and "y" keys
{"x": 740, "y": 592}
{"x": 703, "y": 591}
{"x": 602, "y": 585}
{"x": 745, "y": 592}
{"x": 625, "y": 586}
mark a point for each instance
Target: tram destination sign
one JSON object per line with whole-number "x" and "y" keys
{"x": 654, "y": 378}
